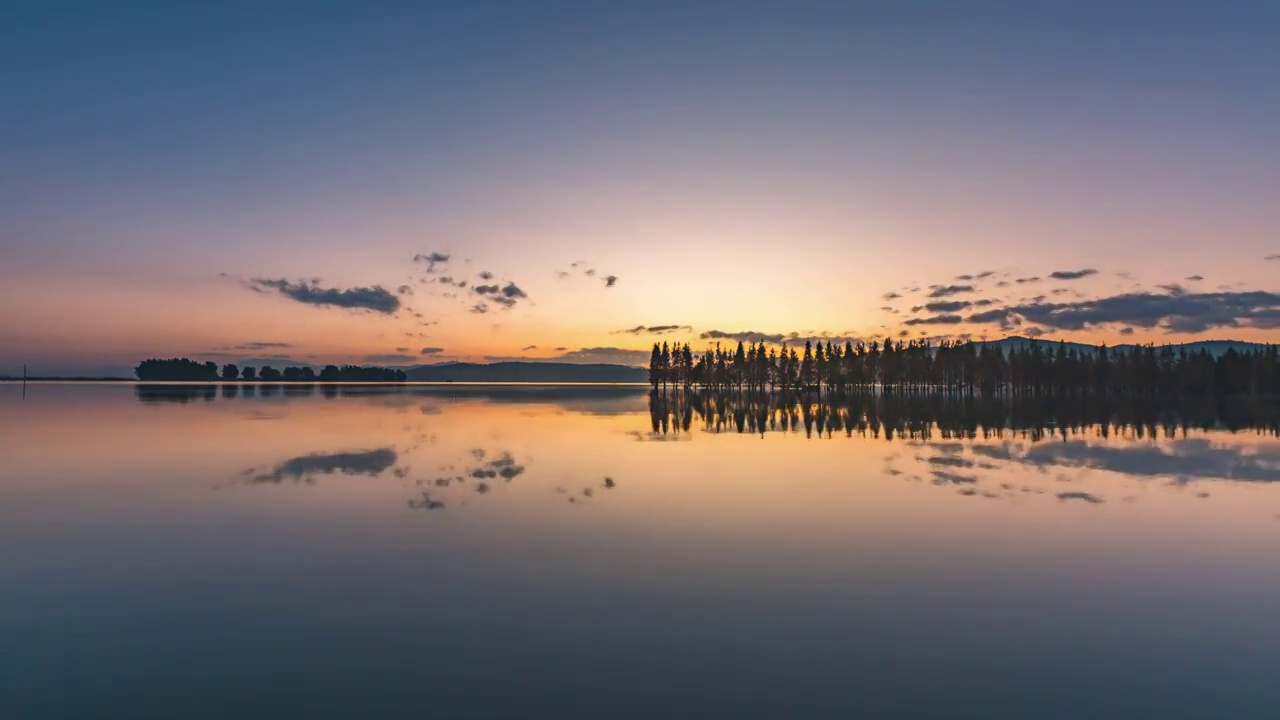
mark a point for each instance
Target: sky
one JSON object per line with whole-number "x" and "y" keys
{"x": 231, "y": 181}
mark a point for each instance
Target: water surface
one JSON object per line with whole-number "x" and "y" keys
{"x": 241, "y": 551}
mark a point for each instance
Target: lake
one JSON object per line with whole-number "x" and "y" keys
{"x": 564, "y": 552}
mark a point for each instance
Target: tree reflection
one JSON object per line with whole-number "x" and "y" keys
{"x": 955, "y": 416}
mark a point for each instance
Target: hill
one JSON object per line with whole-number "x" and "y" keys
{"x": 529, "y": 372}
{"x": 1215, "y": 347}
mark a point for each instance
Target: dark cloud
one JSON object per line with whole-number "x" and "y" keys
{"x": 431, "y": 351}
{"x": 947, "y": 307}
{"x": 1072, "y": 274}
{"x": 309, "y": 292}
{"x": 505, "y": 295}
{"x": 610, "y": 280}
{"x": 389, "y": 358}
{"x": 486, "y": 275}
{"x": 744, "y": 336}
{"x": 984, "y": 302}
{"x": 985, "y": 274}
{"x": 1273, "y": 257}
{"x": 431, "y": 259}
{"x": 369, "y": 462}
{"x": 403, "y": 350}
{"x": 1194, "y": 278}
{"x": 890, "y": 296}
{"x": 1179, "y": 312}
{"x": 405, "y": 289}
{"x": 1126, "y": 331}
{"x": 964, "y": 277}
{"x": 479, "y": 308}
{"x": 935, "y": 320}
{"x": 1025, "y": 280}
{"x": 561, "y": 349}
{"x": 653, "y": 330}
{"x": 1086, "y": 497}
{"x": 941, "y": 291}
{"x": 526, "y": 348}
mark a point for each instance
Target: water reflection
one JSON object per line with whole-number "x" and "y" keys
{"x": 928, "y": 416}
{"x": 307, "y": 467}
{"x": 442, "y": 539}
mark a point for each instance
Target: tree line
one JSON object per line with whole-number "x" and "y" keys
{"x": 1036, "y": 368}
{"x": 186, "y": 370}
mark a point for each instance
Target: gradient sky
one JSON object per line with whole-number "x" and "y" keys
{"x": 764, "y": 167}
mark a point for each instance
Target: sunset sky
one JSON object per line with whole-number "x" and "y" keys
{"x": 253, "y": 180}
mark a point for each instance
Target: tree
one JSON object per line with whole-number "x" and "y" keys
{"x": 269, "y": 374}
{"x": 249, "y": 373}
{"x": 230, "y": 372}
{"x": 655, "y": 366}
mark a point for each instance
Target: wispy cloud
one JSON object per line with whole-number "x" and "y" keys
{"x": 653, "y": 330}
{"x": 256, "y": 346}
{"x": 1072, "y": 274}
{"x": 941, "y": 291}
{"x": 431, "y": 351}
{"x": 431, "y": 259}
{"x": 309, "y": 292}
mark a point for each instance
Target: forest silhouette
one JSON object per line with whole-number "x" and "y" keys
{"x": 917, "y": 366}
{"x": 186, "y": 370}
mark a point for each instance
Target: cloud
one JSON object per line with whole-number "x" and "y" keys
{"x": 256, "y": 346}
{"x": 479, "y": 308}
{"x": 1179, "y": 312}
{"x": 936, "y": 320}
{"x": 1087, "y": 497}
{"x": 953, "y": 306}
{"x": 653, "y": 330}
{"x": 964, "y": 277}
{"x": 1126, "y": 331}
{"x": 744, "y": 336}
{"x": 309, "y": 292}
{"x": 403, "y": 350}
{"x": 527, "y": 348}
{"x": 1025, "y": 280}
{"x": 431, "y": 259}
{"x": 506, "y": 295}
{"x": 941, "y": 291}
{"x": 405, "y": 289}
{"x": 486, "y": 275}
{"x": 606, "y": 355}
{"x": 389, "y": 358}
{"x": 610, "y": 280}
{"x": 985, "y": 274}
{"x": 890, "y": 296}
{"x": 1072, "y": 274}
{"x": 562, "y": 274}
{"x": 431, "y": 351}
{"x": 1194, "y": 278}
{"x": 1273, "y": 257}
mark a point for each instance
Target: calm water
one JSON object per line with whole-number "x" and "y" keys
{"x": 533, "y": 552}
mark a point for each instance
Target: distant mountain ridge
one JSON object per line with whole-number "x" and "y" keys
{"x": 1214, "y": 347}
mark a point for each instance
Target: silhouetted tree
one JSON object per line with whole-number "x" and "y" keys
{"x": 230, "y": 372}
